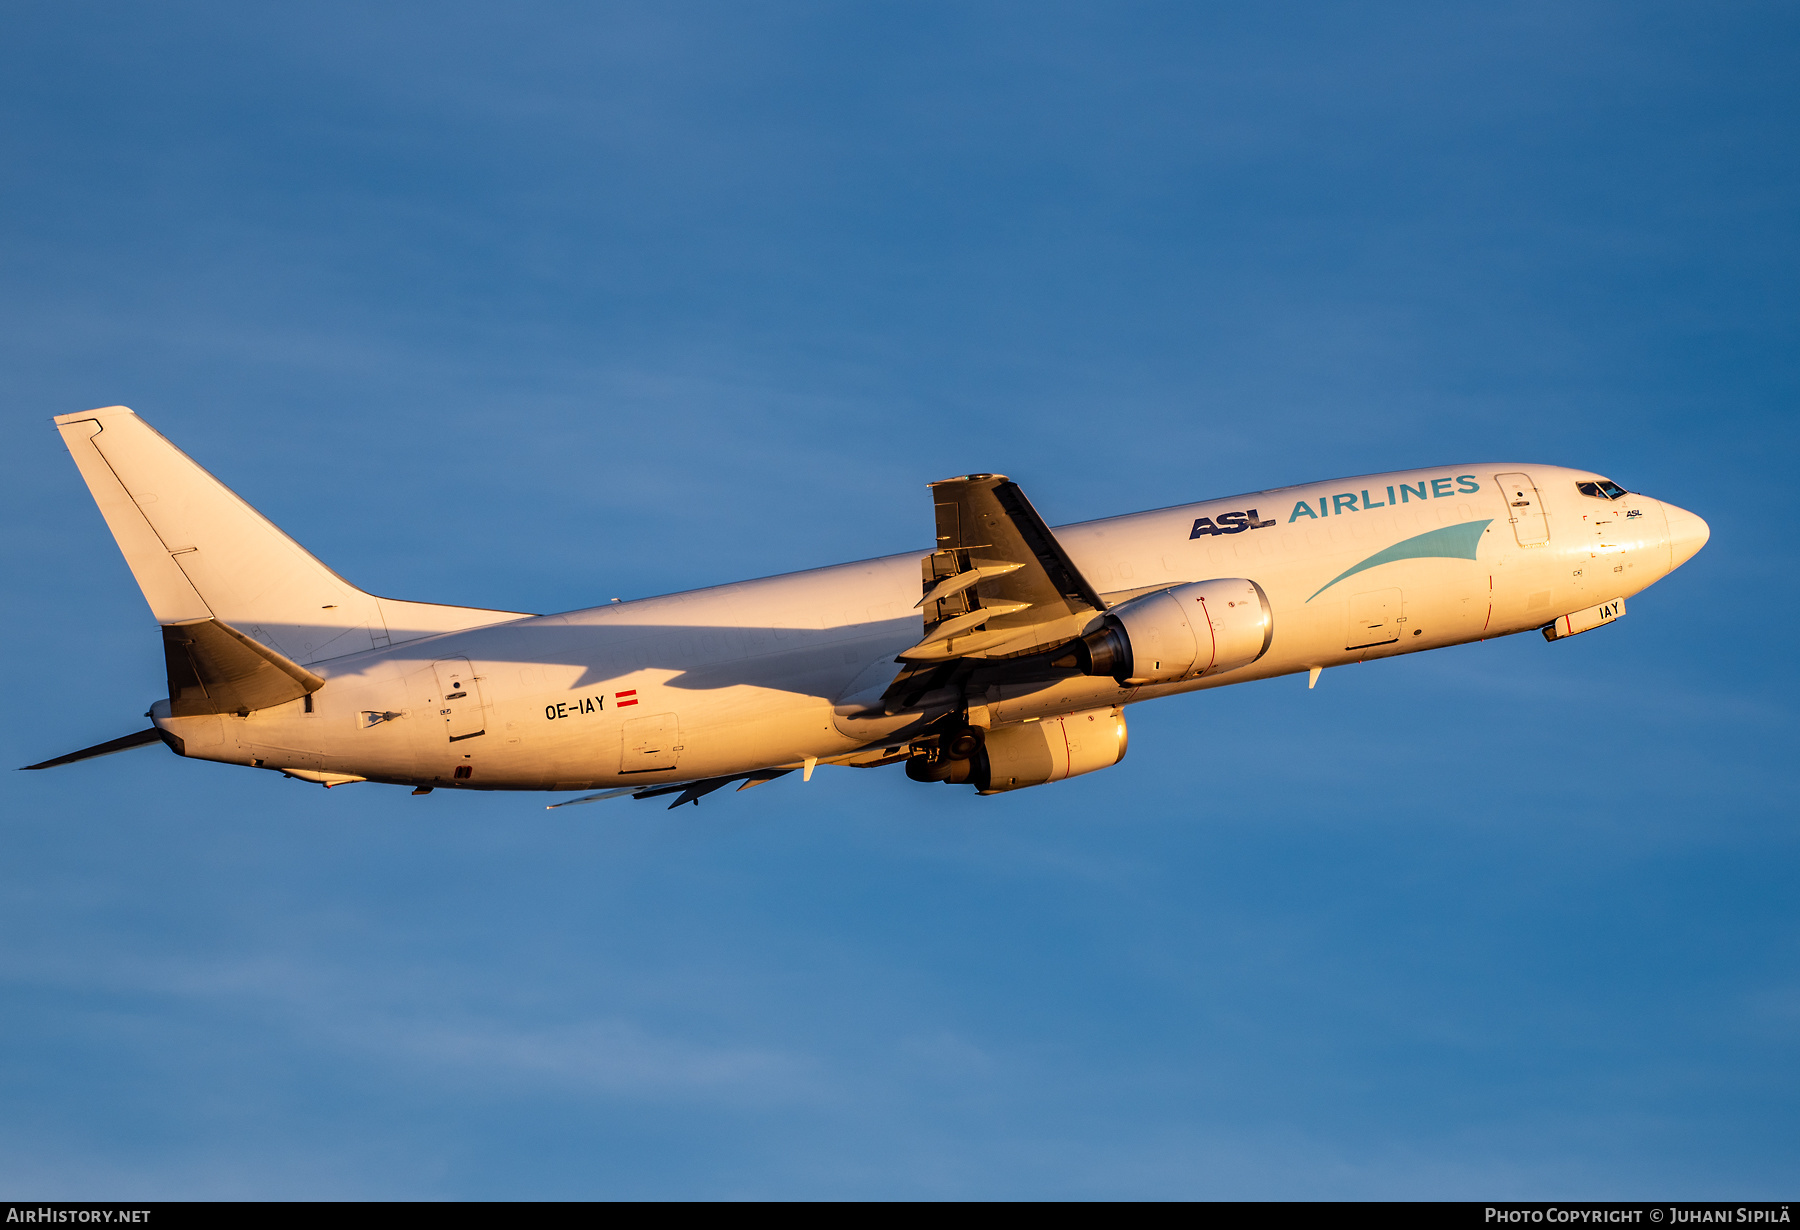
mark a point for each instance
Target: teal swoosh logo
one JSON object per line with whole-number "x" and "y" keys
{"x": 1451, "y": 542}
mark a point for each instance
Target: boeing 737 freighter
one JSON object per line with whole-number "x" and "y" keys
{"x": 1002, "y": 657}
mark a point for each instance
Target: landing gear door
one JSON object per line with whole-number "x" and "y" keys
{"x": 459, "y": 699}
{"x": 1525, "y": 509}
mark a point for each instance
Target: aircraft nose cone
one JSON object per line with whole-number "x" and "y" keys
{"x": 1687, "y": 534}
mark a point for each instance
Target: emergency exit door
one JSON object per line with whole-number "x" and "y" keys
{"x": 649, "y": 743}
{"x": 1375, "y": 619}
{"x": 459, "y": 699}
{"x": 1525, "y": 509}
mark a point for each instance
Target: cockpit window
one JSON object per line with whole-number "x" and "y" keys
{"x": 1604, "y": 489}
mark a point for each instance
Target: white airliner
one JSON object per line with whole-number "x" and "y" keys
{"x": 1003, "y": 657}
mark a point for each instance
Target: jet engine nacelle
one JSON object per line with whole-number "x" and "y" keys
{"x": 1026, "y": 754}
{"x": 1181, "y": 633}
{"x": 1032, "y": 753}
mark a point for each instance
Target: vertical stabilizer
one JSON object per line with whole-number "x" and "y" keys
{"x": 200, "y": 552}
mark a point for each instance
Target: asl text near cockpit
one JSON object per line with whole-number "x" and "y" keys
{"x": 1001, "y": 656}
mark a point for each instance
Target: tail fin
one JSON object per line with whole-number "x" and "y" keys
{"x": 199, "y": 552}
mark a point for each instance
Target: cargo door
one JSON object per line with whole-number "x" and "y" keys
{"x": 1375, "y": 619}
{"x": 1525, "y": 509}
{"x": 650, "y": 743}
{"x": 459, "y": 699}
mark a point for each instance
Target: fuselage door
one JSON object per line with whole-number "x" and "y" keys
{"x": 1525, "y": 509}
{"x": 459, "y": 698}
{"x": 650, "y": 743}
{"x": 1375, "y": 619}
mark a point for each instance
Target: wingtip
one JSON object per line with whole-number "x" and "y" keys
{"x": 969, "y": 478}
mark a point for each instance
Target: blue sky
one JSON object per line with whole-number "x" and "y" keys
{"x": 532, "y": 306}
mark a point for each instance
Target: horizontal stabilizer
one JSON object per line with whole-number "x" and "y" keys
{"x": 214, "y": 668}
{"x": 142, "y": 738}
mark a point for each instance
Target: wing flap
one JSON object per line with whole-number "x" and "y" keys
{"x": 998, "y": 584}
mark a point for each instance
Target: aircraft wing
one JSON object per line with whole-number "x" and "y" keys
{"x": 689, "y": 791}
{"x": 998, "y": 585}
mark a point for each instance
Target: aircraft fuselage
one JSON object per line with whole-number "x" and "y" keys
{"x": 785, "y": 670}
